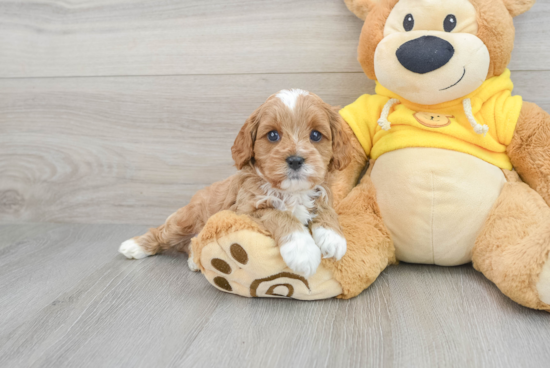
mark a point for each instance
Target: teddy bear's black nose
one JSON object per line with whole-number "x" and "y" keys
{"x": 425, "y": 54}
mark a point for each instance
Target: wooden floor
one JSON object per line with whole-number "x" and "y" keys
{"x": 117, "y": 111}
{"x": 69, "y": 300}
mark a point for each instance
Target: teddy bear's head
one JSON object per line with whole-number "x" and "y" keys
{"x": 432, "y": 51}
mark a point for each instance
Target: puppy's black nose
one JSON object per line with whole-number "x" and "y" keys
{"x": 425, "y": 54}
{"x": 295, "y": 162}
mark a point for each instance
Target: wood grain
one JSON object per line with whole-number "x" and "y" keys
{"x": 135, "y": 149}
{"x": 117, "y": 111}
{"x": 132, "y": 149}
{"x": 82, "y": 304}
{"x": 171, "y": 37}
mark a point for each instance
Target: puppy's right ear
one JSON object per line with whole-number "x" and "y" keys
{"x": 243, "y": 148}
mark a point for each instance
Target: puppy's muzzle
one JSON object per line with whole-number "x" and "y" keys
{"x": 425, "y": 54}
{"x": 295, "y": 162}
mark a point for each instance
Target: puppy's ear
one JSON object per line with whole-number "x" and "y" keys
{"x": 243, "y": 148}
{"x": 517, "y": 7}
{"x": 340, "y": 140}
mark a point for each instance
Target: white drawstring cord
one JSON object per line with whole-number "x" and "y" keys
{"x": 467, "y": 104}
{"x": 383, "y": 121}
{"x": 478, "y": 128}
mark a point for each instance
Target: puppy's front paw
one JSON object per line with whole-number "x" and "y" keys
{"x": 300, "y": 253}
{"x": 132, "y": 250}
{"x": 332, "y": 244}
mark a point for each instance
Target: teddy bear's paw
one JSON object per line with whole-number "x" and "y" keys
{"x": 332, "y": 244}
{"x": 300, "y": 253}
{"x": 132, "y": 250}
{"x": 247, "y": 262}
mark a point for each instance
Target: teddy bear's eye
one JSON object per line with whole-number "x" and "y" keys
{"x": 449, "y": 23}
{"x": 408, "y": 22}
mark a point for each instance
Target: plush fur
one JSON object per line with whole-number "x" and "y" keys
{"x": 529, "y": 150}
{"x": 515, "y": 243}
{"x": 370, "y": 249}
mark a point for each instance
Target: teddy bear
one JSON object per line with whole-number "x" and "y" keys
{"x": 447, "y": 166}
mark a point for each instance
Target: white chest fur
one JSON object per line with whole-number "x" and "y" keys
{"x": 300, "y": 204}
{"x": 435, "y": 202}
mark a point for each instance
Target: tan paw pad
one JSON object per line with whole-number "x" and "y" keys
{"x": 249, "y": 264}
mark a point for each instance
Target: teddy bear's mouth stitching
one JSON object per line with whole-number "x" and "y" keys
{"x": 452, "y": 85}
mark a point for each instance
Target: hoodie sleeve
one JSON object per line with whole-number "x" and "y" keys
{"x": 506, "y": 109}
{"x": 362, "y": 117}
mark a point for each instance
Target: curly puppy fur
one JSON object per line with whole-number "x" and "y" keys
{"x": 266, "y": 187}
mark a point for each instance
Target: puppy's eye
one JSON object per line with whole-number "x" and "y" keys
{"x": 408, "y": 22}
{"x": 315, "y": 136}
{"x": 273, "y": 136}
{"x": 449, "y": 23}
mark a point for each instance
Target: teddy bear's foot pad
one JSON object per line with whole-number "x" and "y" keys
{"x": 248, "y": 263}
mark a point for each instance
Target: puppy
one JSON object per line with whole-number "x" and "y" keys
{"x": 285, "y": 153}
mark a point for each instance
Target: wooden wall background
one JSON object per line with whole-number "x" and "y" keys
{"x": 117, "y": 111}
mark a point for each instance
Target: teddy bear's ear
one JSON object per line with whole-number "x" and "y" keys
{"x": 516, "y": 7}
{"x": 359, "y": 7}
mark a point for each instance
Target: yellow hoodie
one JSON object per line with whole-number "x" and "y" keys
{"x": 481, "y": 124}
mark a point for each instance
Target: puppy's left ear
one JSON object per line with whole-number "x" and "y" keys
{"x": 340, "y": 140}
{"x": 243, "y": 148}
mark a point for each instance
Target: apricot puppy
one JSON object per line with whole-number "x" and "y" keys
{"x": 285, "y": 153}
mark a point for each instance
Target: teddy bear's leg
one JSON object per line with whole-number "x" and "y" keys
{"x": 370, "y": 248}
{"x": 513, "y": 247}
{"x": 237, "y": 255}
{"x": 529, "y": 149}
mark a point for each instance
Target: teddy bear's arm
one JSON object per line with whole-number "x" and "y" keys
{"x": 344, "y": 180}
{"x": 529, "y": 150}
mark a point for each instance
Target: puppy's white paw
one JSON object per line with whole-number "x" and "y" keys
{"x": 191, "y": 264}
{"x": 332, "y": 244}
{"x": 131, "y": 249}
{"x": 300, "y": 253}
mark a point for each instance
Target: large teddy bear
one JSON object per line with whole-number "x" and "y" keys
{"x": 445, "y": 140}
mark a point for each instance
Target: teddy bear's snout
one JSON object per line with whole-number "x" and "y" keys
{"x": 425, "y": 54}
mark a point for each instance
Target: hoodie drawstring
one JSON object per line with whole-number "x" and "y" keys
{"x": 466, "y": 103}
{"x": 383, "y": 121}
{"x": 478, "y": 128}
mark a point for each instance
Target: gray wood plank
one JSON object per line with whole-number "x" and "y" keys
{"x": 38, "y": 261}
{"x": 172, "y": 37}
{"x": 413, "y": 316}
{"x": 135, "y": 149}
{"x": 46, "y": 299}
{"x": 122, "y": 37}
{"x": 155, "y": 312}
{"x": 129, "y": 150}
